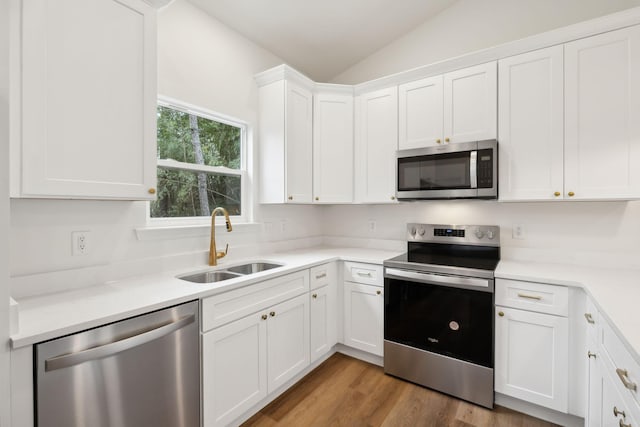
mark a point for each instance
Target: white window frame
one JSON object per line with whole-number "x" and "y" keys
{"x": 245, "y": 201}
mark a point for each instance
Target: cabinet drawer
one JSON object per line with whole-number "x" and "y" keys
{"x": 368, "y": 274}
{"x": 322, "y": 275}
{"x": 229, "y": 306}
{"x": 625, "y": 369}
{"x": 533, "y": 296}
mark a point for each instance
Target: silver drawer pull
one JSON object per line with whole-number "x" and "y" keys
{"x": 321, "y": 276}
{"x": 624, "y": 377}
{"x": 623, "y": 424}
{"x": 535, "y": 297}
{"x": 361, "y": 274}
{"x": 589, "y": 318}
{"x": 590, "y": 355}
{"x": 617, "y": 412}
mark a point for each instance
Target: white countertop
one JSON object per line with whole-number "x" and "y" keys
{"x": 49, "y": 316}
{"x": 615, "y": 291}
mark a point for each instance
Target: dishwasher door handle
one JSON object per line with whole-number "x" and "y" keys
{"x": 94, "y": 353}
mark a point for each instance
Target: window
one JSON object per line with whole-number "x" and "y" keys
{"x": 201, "y": 163}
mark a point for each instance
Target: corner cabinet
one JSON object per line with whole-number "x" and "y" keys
{"x": 86, "y": 100}
{"x": 376, "y": 145}
{"x": 459, "y": 106}
{"x": 285, "y": 136}
{"x": 333, "y": 144}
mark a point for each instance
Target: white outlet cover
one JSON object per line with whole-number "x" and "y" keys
{"x": 80, "y": 242}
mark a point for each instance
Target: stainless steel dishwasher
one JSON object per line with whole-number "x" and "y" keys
{"x": 142, "y": 371}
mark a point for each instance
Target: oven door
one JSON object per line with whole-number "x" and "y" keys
{"x": 443, "y": 314}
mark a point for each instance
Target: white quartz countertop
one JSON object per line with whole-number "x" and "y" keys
{"x": 50, "y": 316}
{"x": 615, "y": 291}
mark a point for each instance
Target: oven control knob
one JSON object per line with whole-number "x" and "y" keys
{"x": 479, "y": 234}
{"x": 413, "y": 231}
{"x": 421, "y": 231}
{"x": 490, "y": 234}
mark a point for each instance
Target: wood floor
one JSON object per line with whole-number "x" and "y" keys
{"x": 344, "y": 391}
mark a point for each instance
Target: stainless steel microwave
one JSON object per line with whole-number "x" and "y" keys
{"x": 466, "y": 170}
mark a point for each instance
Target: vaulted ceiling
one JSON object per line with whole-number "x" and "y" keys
{"x": 322, "y": 38}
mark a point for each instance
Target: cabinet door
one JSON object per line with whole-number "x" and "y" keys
{"x": 602, "y": 116}
{"x": 420, "y": 113}
{"x": 323, "y": 334}
{"x": 299, "y": 150}
{"x": 288, "y": 338}
{"x": 88, "y": 99}
{"x": 613, "y": 404}
{"x": 376, "y": 145}
{"x": 470, "y": 97}
{"x": 234, "y": 369}
{"x": 532, "y": 352}
{"x": 363, "y": 317}
{"x": 531, "y": 125}
{"x": 333, "y": 148}
{"x": 594, "y": 388}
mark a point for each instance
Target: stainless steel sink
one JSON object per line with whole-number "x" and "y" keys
{"x": 210, "y": 276}
{"x": 253, "y": 267}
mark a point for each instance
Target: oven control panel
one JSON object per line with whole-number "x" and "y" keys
{"x": 486, "y": 235}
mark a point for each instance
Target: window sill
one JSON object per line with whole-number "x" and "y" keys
{"x": 187, "y": 231}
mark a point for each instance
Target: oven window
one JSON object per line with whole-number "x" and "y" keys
{"x": 454, "y": 322}
{"x": 434, "y": 172}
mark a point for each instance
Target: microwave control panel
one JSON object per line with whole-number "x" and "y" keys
{"x": 485, "y": 168}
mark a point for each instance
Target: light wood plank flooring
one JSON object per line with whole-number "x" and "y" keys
{"x": 344, "y": 391}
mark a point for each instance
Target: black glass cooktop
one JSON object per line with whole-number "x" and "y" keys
{"x": 467, "y": 256}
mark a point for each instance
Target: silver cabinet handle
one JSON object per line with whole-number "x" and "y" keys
{"x": 589, "y": 318}
{"x": 623, "y": 424}
{"x": 590, "y": 355}
{"x": 364, "y": 274}
{"x": 321, "y": 276}
{"x": 100, "y": 352}
{"x": 617, "y": 412}
{"x": 535, "y": 297}
{"x": 624, "y": 377}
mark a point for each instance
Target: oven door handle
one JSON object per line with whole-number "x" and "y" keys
{"x": 438, "y": 279}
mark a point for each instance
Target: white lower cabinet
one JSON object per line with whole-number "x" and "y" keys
{"x": 234, "y": 369}
{"x": 323, "y": 322}
{"x": 532, "y": 346}
{"x": 255, "y": 339}
{"x": 363, "y": 317}
{"x": 613, "y": 410}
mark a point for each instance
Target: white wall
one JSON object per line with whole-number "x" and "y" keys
{"x": 580, "y": 232}
{"x": 200, "y": 62}
{"x": 4, "y": 214}
{"x": 470, "y": 25}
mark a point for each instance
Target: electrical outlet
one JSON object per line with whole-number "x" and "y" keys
{"x": 80, "y": 242}
{"x": 517, "y": 232}
{"x": 371, "y": 225}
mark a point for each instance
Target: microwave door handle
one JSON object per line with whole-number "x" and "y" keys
{"x": 473, "y": 169}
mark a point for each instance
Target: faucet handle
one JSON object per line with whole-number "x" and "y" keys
{"x": 221, "y": 254}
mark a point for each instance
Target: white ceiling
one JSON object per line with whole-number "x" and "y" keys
{"x": 322, "y": 38}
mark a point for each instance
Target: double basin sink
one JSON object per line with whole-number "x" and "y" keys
{"x": 229, "y": 273}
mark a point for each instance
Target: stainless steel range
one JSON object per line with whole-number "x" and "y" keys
{"x": 438, "y": 310}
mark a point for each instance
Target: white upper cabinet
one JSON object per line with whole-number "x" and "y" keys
{"x": 285, "y": 134}
{"x": 88, "y": 100}
{"x": 376, "y": 145}
{"x": 420, "y": 111}
{"x": 459, "y": 106}
{"x": 531, "y": 125}
{"x": 333, "y": 145}
{"x": 470, "y": 97}
{"x": 602, "y": 116}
